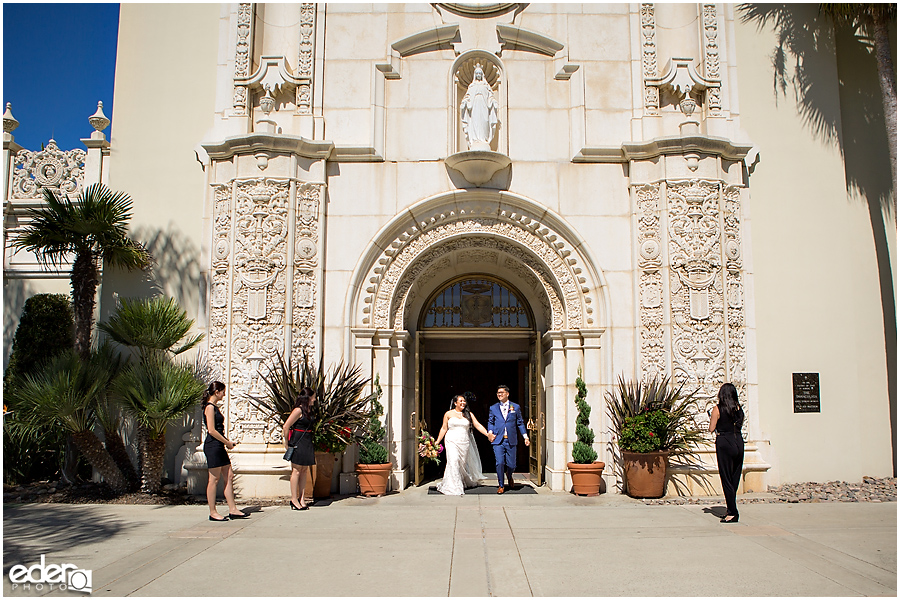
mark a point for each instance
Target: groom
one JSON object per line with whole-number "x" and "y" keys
{"x": 505, "y": 422}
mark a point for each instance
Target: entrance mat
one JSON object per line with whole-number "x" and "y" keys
{"x": 490, "y": 489}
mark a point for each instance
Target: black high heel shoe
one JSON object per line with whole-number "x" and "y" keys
{"x": 733, "y": 519}
{"x": 237, "y": 515}
{"x": 295, "y": 507}
{"x": 217, "y": 520}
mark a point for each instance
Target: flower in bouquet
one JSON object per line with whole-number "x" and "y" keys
{"x": 427, "y": 448}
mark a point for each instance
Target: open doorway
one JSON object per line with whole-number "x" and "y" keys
{"x": 446, "y": 378}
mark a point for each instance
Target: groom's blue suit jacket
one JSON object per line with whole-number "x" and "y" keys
{"x": 513, "y": 422}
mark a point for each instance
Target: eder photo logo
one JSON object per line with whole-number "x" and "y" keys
{"x": 43, "y": 577}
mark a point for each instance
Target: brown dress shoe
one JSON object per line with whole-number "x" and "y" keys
{"x": 499, "y": 490}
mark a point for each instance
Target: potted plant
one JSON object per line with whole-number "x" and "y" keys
{"x": 339, "y": 413}
{"x": 584, "y": 468}
{"x": 651, "y": 421}
{"x": 373, "y": 468}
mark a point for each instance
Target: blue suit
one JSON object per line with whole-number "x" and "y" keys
{"x": 505, "y": 447}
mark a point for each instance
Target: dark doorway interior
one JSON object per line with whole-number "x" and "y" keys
{"x": 448, "y": 378}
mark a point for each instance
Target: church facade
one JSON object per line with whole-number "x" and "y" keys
{"x": 456, "y": 196}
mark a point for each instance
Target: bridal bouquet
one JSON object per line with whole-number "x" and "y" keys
{"x": 427, "y": 448}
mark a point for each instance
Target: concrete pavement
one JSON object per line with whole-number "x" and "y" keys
{"x": 414, "y": 544}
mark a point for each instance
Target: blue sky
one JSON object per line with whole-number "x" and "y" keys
{"x": 58, "y": 61}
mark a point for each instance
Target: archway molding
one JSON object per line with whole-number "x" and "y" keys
{"x": 544, "y": 244}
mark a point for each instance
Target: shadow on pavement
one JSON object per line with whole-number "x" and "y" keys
{"x": 27, "y": 535}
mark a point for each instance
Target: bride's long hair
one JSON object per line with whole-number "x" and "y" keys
{"x": 465, "y": 411}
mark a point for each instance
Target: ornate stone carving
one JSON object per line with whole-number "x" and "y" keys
{"x": 479, "y": 112}
{"x": 306, "y": 263}
{"x": 51, "y": 167}
{"x": 711, "y": 57}
{"x": 249, "y": 293}
{"x": 306, "y": 58}
{"x": 734, "y": 286}
{"x": 242, "y": 58}
{"x": 648, "y": 58}
{"x": 696, "y": 285}
{"x": 650, "y": 283}
{"x": 527, "y": 240}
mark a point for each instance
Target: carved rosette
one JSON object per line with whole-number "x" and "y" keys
{"x": 305, "y": 61}
{"x": 650, "y": 283}
{"x": 542, "y": 253}
{"x": 258, "y": 298}
{"x": 648, "y": 58}
{"x": 48, "y": 168}
{"x": 242, "y": 56}
{"x": 711, "y": 56}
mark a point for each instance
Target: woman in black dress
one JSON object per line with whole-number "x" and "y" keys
{"x": 298, "y": 433}
{"x": 726, "y": 419}
{"x": 216, "y": 456}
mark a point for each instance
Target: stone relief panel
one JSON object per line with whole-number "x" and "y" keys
{"x": 651, "y": 293}
{"x": 306, "y": 264}
{"x": 547, "y": 252}
{"x": 711, "y": 57}
{"x": 648, "y": 58}
{"x": 242, "y": 58}
{"x": 48, "y": 168}
{"x": 696, "y": 286}
{"x": 220, "y": 274}
{"x": 306, "y": 59}
{"x": 690, "y": 285}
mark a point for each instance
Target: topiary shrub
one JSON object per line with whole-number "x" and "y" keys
{"x": 46, "y": 328}
{"x": 582, "y": 452}
{"x": 371, "y": 450}
{"x": 32, "y": 451}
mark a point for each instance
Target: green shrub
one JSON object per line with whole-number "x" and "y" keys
{"x": 46, "y": 328}
{"x": 582, "y": 452}
{"x": 371, "y": 450}
{"x": 645, "y": 432}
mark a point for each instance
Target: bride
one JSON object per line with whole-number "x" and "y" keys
{"x": 463, "y": 462}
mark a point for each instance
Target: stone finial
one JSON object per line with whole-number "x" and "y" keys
{"x": 98, "y": 120}
{"x": 9, "y": 121}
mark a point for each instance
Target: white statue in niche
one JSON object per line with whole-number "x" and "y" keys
{"x": 478, "y": 112}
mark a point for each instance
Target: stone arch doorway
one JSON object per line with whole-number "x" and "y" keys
{"x": 475, "y": 332}
{"x": 505, "y": 236}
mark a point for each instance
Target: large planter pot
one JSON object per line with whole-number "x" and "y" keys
{"x": 586, "y": 478}
{"x": 318, "y": 484}
{"x": 645, "y": 474}
{"x": 373, "y": 478}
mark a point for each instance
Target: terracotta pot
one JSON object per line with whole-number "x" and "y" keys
{"x": 322, "y": 473}
{"x": 586, "y": 478}
{"x": 645, "y": 474}
{"x": 373, "y": 479}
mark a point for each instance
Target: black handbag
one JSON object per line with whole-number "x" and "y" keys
{"x": 288, "y": 453}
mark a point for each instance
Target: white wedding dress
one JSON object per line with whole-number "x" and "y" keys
{"x": 463, "y": 468}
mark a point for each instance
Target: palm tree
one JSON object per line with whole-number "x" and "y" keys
{"x": 156, "y": 392}
{"x": 151, "y": 325}
{"x": 877, "y": 19}
{"x": 64, "y": 394}
{"x": 93, "y": 228}
{"x": 109, "y": 419}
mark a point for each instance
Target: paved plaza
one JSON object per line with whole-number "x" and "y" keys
{"x": 415, "y": 544}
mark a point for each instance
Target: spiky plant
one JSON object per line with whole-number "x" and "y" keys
{"x": 155, "y": 393}
{"x": 93, "y": 228}
{"x": 151, "y": 325}
{"x": 371, "y": 448}
{"x": 64, "y": 393}
{"x": 582, "y": 451}
{"x": 632, "y": 398}
{"x": 340, "y": 411}
{"x": 109, "y": 417}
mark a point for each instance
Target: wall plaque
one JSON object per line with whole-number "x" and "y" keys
{"x": 806, "y": 393}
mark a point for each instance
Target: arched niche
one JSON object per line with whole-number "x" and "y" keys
{"x": 462, "y": 73}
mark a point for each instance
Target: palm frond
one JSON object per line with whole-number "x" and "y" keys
{"x": 157, "y": 391}
{"x": 151, "y": 324}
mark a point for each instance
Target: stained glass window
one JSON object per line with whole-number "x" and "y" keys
{"x": 476, "y": 302}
